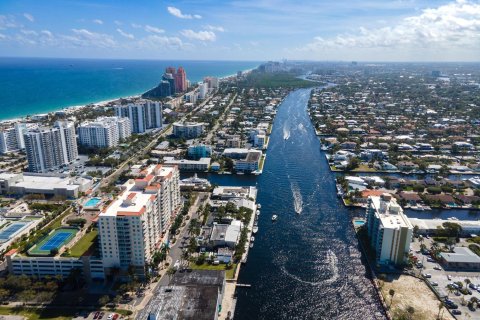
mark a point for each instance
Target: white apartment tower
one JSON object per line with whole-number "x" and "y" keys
{"x": 389, "y": 230}
{"x": 49, "y": 148}
{"x": 143, "y": 115}
{"x": 11, "y": 139}
{"x": 104, "y": 132}
{"x": 131, "y": 228}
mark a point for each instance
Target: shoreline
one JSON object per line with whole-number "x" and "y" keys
{"x": 98, "y": 104}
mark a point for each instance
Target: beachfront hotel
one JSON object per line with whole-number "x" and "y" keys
{"x": 49, "y": 148}
{"x": 104, "y": 132}
{"x": 143, "y": 115}
{"x": 389, "y": 230}
{"x": 132, "y": 227}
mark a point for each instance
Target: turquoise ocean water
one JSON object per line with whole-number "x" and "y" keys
{"x": 35, "y": 85}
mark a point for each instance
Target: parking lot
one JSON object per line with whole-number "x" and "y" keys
{"x": 99, "y": 315}
{"x": 440, "y": 279}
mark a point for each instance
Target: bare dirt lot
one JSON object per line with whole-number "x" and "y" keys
{"x": 412, "y": 292}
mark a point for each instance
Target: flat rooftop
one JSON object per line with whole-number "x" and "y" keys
{"x": 131, "y": 202}
{"x": 460, "y": 255}
{"x": 44, "y": 182}
{"x": 392, "y": 215}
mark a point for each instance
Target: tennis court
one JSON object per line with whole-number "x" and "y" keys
{"x": 9, "y": 231}
{"x": 55, "y": 240}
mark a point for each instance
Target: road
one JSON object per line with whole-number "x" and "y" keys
{"x": 225, "y": 112}
{"x": 174, "y": 254}
{"x": 166, "y": 132}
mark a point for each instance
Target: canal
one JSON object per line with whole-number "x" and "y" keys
{"x": 306, "y": 265}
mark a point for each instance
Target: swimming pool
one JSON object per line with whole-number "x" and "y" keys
{"x": 93, "y": 202}
{"x": 358, "y": 223}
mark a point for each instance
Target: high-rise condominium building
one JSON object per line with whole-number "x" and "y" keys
{"x": 104, "y": 132}
{"x": 11, "y": 139}
{"x": 143, "y": 115}
{"x": 180, "y": 80}
{"x": 389, "y": 230}
{"x": 131, "y": 228}
{"x": 49, "y": 148}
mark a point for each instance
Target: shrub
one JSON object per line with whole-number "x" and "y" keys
{"x": 434, "y": 190}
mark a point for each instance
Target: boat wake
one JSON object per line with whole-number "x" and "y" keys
{"x": 286, "y": 132}
{"x": 297, "y": 198}
{"x": 330, "y": 260}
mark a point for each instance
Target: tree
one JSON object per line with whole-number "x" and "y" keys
{"x": 391, "y": 292}
{"x": 103, "y": 300}
{"x": 440, "y": 307}
{"x": 411, "y": 311}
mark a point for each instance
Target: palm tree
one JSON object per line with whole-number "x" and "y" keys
{"x": 391, "y": 292}
{"x": 440, "y": 307}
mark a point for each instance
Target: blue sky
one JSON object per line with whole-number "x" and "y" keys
{"x": 381, "y": 30}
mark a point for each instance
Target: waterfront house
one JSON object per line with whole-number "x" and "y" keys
{"x": 460, "y": 259}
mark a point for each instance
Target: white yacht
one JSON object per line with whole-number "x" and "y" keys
{"x": 254, "y": 229}
{"x": 274, "y": 217}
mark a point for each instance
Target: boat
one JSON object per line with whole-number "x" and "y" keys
{"x": 254, "y": 229}
{"x": 240, "y": 172}
{"x": 252, "y": 239}
{"x": 258, "y": 212}
{"x": 274, "y": 217}
{"x": 259, "y": 206}
{"x": 251, "y": 245}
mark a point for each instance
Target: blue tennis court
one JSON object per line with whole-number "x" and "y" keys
{"x": 10, "y": 230}
{"x": 55, "y": 241}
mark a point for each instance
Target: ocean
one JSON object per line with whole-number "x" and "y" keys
{"x": 39, "y": 85}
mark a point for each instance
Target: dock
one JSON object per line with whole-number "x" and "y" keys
{"x": 243, "y": 285}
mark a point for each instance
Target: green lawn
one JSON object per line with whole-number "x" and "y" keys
{"x": 82, "y": 246}
{"x": 229, "y": 273}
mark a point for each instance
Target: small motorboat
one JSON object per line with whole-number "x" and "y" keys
{"x": 251, "y": 245}
{"x": 254, "y": 229}
{"x": 252, "y": 239}
{"x": 258, "y": 212}
{"x": 274, "y": 217}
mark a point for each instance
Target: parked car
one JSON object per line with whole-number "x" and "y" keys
{"x": 427, "y": 275}
{"x": 115, "y": 316}
{"x": 437, "y": 267}
{"x": 95, "y": 316}
{"x": 110, "y": 316}
{"x": 472, "y": 286}
{"x": 452, "y": 306}
{"x": 434, "y": 283}
{"x": 456, "y": 312}
{"x": 449, "y": 277}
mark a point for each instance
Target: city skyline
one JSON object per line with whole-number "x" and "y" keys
{"x": 401, "y": 30}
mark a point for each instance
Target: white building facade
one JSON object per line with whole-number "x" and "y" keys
{"x": 144, "y": 115}
{"x": 49, "y": 148}
{"x": 105, "y": 132}
{"x": 132, "y": 227}
{"x": 389, "y": 230}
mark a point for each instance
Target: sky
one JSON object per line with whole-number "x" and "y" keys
{"x": 361, "y": 30}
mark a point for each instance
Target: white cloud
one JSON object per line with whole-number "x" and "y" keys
{"x": 153, "y": 29}
{"x": 162, "y": 42}
{"x": 46, "y": 33}
{"x": 2, "y": 36}
{"x": 136, "y": 26}
{"x": 118, "y": 23}
{"x": 29, "y": 17}
{"x": 178, "y": 13}
{"x": 97, "y": 21}
{"x": 456, "y": 24}
{"x": 214, "y": 28}
{"x": 86, "y": 38}
{"x": 125, "y": 34}
{"x": 29, "y": 32}
{"x": 200, "y": 35}
{"x": 7, "y": 22}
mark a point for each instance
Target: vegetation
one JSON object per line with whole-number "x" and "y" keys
{"x": 83, "y": 245}
{"x": 274, "y": 80}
